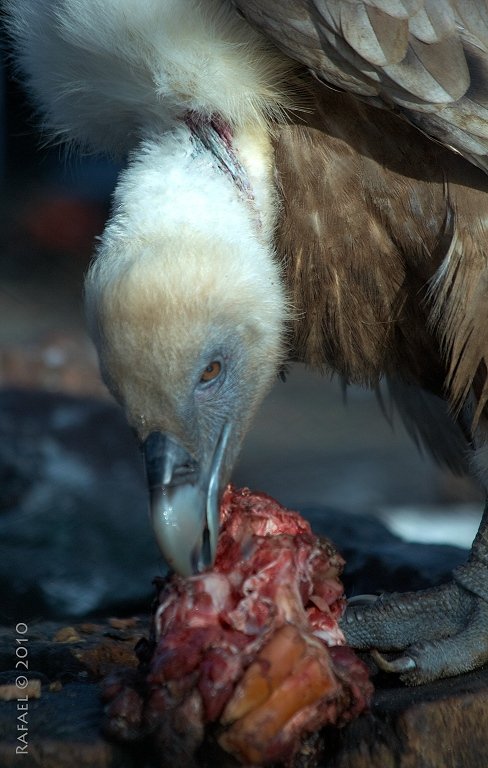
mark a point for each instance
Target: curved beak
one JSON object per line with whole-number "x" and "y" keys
{"x": 184, "y": 501}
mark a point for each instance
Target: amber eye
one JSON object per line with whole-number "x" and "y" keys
{"x": 211, "y": 371}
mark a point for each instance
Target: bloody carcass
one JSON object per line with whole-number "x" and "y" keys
{"x": 250, "y": 651}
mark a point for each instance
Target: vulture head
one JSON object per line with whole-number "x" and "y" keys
{"x": 186, "y": 307}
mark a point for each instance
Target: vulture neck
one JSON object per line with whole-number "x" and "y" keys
{"x": 210, "y": 179}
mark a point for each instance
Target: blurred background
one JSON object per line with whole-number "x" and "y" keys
{"x": 74, "y": 534}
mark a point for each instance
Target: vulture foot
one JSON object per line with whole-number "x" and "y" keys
{"x": 440, "y": 632}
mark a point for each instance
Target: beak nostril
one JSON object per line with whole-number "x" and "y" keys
{"x": 167, "y": 462}
{"x": 184, "y": 474}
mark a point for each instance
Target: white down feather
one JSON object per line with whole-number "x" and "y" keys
{"x": 104, "y": 72}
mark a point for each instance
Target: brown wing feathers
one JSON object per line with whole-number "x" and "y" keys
{"x": 384, "y": 237}
{"x": 427, "y": 57}
{"x": 460, "y": 304}
{"x": 384, "y": 231}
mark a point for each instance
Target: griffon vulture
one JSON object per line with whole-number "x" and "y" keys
{"x": 305, "y": 181}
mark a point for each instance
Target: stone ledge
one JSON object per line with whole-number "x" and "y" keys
{"x": 441, "y": 725}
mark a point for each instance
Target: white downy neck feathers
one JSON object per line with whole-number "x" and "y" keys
{"x": 104, "y": 71}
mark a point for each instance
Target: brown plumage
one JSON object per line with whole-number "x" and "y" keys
{"x": 385, "y": 242}
{"x": 383, "y": 230}
{"x": 425, "y": 58}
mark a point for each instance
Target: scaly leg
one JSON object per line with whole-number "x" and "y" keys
{"x": 442, "y": 631}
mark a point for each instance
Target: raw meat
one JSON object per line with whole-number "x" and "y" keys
{"x": 250, "y": 651}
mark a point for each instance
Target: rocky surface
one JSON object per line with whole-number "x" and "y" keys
{"x": 76, "y": 541}
{"x": 73, "y": 513}
{"x": 442, "y": 725}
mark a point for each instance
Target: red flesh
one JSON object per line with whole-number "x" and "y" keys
{"x": 254, "y": 644}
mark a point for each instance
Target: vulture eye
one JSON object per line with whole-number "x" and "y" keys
{"x": 211, "y": 371}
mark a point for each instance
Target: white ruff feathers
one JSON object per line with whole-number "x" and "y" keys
{"x": 105, "y": 71}
{"x": 181, "y": 226}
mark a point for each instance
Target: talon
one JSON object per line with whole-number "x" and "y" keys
{"x": 397, "y": 666}
{"x": 362, "y": 600}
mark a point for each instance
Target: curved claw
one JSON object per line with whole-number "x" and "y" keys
{"x": 362, "y": 600}
{"x": 397, "y": 666}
